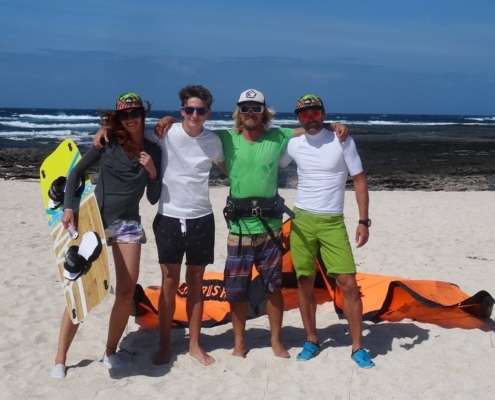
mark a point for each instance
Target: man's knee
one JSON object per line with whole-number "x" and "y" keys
{"x": 194, "y": 285}
{"x": 194, "y": 276}
{"x": 349, "y": 286}
{"x": 275, "y": 298}
{"x": 306, "y": 283}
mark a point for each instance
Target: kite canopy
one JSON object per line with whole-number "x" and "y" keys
{"x": 385, "y": 298}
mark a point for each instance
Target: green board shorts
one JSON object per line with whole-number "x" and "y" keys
{"x": 327, "y": 233}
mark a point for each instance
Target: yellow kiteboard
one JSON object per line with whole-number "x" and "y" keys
{"x": 85, "y": 290}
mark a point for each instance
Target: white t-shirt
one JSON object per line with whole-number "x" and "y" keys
{"x": 186, "y": 164}
{"x": 323, "y": 165}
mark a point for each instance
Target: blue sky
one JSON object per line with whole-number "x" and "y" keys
{"x": 431, "y": 57}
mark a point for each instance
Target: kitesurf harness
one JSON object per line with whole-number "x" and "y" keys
{"x": 261, "y": 207}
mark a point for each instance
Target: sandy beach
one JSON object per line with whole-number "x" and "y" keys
{"x": 443, "y": 235}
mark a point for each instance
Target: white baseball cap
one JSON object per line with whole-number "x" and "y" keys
{"x": 251, "y": 95}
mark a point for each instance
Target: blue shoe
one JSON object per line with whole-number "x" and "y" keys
{"x": 362, "y": 359}
{"x": 309, "y": 351}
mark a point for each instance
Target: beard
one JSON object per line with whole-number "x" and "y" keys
{"x": 252, "y": 124}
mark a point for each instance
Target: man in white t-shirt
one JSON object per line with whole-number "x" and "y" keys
{"x": 184, "y": 223}
{"x": 323, "y": 165}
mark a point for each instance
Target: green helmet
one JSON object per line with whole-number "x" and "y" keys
{"x": 308, "y": 101}
{"x": 128, "y": 100}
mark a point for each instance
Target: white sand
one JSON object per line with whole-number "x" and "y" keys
{"x": 423, "y": 235}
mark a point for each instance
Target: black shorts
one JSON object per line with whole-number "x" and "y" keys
{"x": 197, "y": 242}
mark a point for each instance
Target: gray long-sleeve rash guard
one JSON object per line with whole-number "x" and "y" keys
{"x": 121, "y": 181}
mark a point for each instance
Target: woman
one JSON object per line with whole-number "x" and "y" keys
{"x": 128, "y": 165}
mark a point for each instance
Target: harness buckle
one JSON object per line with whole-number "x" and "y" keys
{"x": 256, "y": 212}
{"x": 230, "y": 206}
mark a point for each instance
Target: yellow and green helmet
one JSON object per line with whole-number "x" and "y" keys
{"x": 309, "y": 101}
{"x": 128, "y": 100}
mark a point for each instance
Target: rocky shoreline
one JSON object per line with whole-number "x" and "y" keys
{"x": 389, "y": 163}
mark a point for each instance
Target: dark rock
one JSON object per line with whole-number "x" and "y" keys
{"x": 389, "y": 164}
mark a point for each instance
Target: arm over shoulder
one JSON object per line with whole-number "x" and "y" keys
{"x": 154, "y": 186}
{"x": 151, "y": 137}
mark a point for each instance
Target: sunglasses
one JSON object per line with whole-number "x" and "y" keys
{"x": 253, "y": 109}
{"x": 134, "y": 113}
{"x": 200, "y": 110}
{"x": 304, "y": 115}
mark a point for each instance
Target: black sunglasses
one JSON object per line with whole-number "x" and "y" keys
{"x": 134, "y": 113}
{"x": 253, "y": 109}
{"x": 200, "y": 110}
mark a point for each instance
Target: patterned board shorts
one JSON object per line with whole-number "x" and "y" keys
{"x": 125, "y": 231}
{"x": 258, "y": 250}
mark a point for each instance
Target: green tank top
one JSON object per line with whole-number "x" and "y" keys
{"x": 253, "y": 170}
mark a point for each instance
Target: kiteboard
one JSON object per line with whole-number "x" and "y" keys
{"x": 80, "y": 253}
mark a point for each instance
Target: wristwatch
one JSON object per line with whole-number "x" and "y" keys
{"x": 366, "y": 222}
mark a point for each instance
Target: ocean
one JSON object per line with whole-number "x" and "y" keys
{"x": 30, "y": 127}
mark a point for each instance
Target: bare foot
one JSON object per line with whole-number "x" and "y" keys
{"x": 279, "y": 350}
{"x": 161, "y": 356}
{"x": 202, "y": 356}
{"x": 240, "y": 351}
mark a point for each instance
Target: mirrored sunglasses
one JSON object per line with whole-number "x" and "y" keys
{"x": 304, "y": 115}
{"x": 253, "y": 109}
{"x": 190, "y": 110}
{"x": 134, "y": 113}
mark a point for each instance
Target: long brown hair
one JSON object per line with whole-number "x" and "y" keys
{"x": 116, "y": 130}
